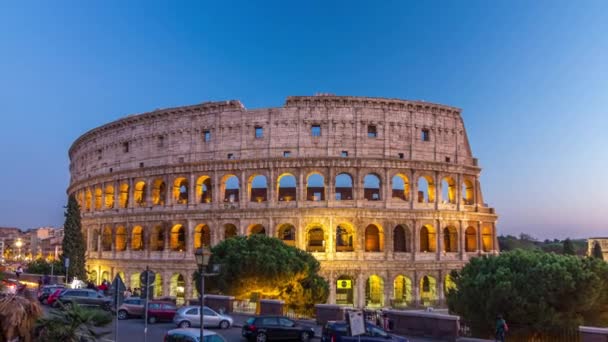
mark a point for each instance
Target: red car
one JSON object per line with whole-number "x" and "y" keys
{"x": 52, "y": 299}
{"x": 161, "y": 311}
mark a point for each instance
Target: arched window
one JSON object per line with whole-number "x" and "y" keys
{"x": 137, "y": 238}
{"x": 344, "y": 238}
{"x": 139, "y": 195}
{"x": 372, "y": 239}
{"x": 344, "y": 187}
{"x": 467, "y": 192}
{"x": 402, "y": 290}
{"x": 257, "y": 229}
{"x": 487, "y": 239}
{"x": 159, "y": 192}
{"x": 448, "y": 190}
{"x": 374, "y": 291}
{"x": 230, "y": 188}
{"x": 106, "y": 239}
{"x": 371, "y": 187}
{"x": 316, "y": 240}
{"x": 177, "y": 288}
{"x": 178, "y": 238}
{"x": 400, "y": 239}
{"x": 401, "y": 187}
{"x": 95, "y": 241}
{"x": 287, "y": 234}
{"x": 121, "y": 238}
{"x": 157, "y": 239}
{"x": 345, "y": 290}
{"x": 426, "y": 190}
{"x": 180, "y": 190}
{"x": 229, "y": 231}
{"x": 286, "y": 184}
{"x": 471, "y": 239}
{"x": 428, "y": 242}
{"x": 428, "y": 293}
{"x": 449, "y": 284}
{"x": 109, "y": 200}
{"x": 123, "y": 197}
{"x": 202, "y": 236}
{"x": 315, "y": 187}
{"x": 158, "y": 285}
{"x": 88, "y": 198}
{"x": 204, "y": 189}
{"x": 258, "y": 188}
{"x": 98, "y": 198}
{"x": 450, "y": 239}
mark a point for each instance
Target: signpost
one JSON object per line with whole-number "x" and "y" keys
{"x": 357, "y": 323}
{"x": 146, "y": 279}
{"x": 118, "y": 288}
{"x": 66, "y": 263}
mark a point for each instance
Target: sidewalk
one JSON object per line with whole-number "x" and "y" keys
{"x": 240, "y": 318}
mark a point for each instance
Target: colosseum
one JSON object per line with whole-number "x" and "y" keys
{"x": 385, "y": 193}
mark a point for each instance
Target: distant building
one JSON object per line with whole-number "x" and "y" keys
{"x": 602, "y": 241}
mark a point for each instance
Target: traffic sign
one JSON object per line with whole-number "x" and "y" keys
{"x": 357, "y": 323}
{"x": 118, "y": 289}
{"x": 147, "y": 280}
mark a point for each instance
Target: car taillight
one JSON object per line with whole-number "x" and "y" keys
{"x": 333, "y": 338}
{"x": 252, "y": 327}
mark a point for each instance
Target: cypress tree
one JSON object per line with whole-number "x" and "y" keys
{"x": 568, "y": 247}
{"x": 597, "y": 251}
{"x": 73, "y": 241}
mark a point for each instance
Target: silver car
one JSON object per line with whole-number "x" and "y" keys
{"x": 188, "y": 316}
{"x": 192, "y": 335}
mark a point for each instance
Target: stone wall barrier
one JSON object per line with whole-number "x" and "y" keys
{"x": 221, "y": 304}
{"x": 418, "y": 323}
{"x": 271, "y": 307}
{"x": 328, "y": 312}
{"x": 32, "y": 278}
{"x": 593, "y": 334}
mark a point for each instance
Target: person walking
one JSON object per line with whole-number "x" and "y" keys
{"x": 127, "y": 293}
{"x": 19, "y": 271}
{"x": 501, "y": 328}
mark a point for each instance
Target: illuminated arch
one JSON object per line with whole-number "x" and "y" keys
{"x": 315, "y": 187}
{"x": 402, "y": 291}
{"x": 468, "y": 191}
{"x": 204, "y": 189}
{"x": 449, "y": 284}
{"x": 202, "y": 236}
{"x": 345, "y": 294}
{"x": 256, "y": 229}
{"x": 159, "y": 192}
{"x": 345, "y": 237}
{"x": 105, "y": 275}
{"x": 428, "y": 290}
{"x": 258, "y": 188}
{"x": 373, "y": 238}
{"x": 428, "y": 240}
{"x": 121, "y": 238}
{"x": 158, "y": 285}
{"x": 123, "y": 196}
{"x": 92, "y": 276}
{"x": 157, "y": 238}
{"x": 374, "y": 291}
{"x": 287, "y": 185}
{"x": 180, "y": 190}
{"x": 487, "y": 241}
{"x": 448, "y": 190}
{"x": 344, "y": 187}
{"x": 109, "y": 196}
{"x": 371, "y": 187}
{"x": 470, "y": 239}
{"x": 178, "y": 238}
{"x": 401, "y": 239}
{"x": 95, "y": 240}
{"x": 135, "y": 282}
{"x": 106, "y": 239}
{"x": 88, "y": 198}
{"x": 137, "y": 238}
{"x": 287, "y": 234}
{"x": 450, "y": 239}
{"x": 401, "y": 187}
{"x": 315, "y": 239}
{"x": 229, "y": 187}
{"x": 98, "y": 197}
{"x": 139, "y": 194}
{"x": 426, "y": 189}
{"x": 230, "y": 231}
{"x": 177, "y": 288}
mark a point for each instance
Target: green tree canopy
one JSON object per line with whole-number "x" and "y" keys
{"x": 536, "y": 291}
{"x": 73, "y": 240}
{"x": 264, "y": 267}
{"x": 41, "y": 266}
{"x": 568, "y": 247}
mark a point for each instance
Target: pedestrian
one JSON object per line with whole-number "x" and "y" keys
{"x": 501, "y": 328}
{"x": 19, "y": 271}
{"x": 128, "y": 292}
{"x": 46, "y": 280}
{"x": 40, "y": 283}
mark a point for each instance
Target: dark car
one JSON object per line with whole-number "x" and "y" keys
{"x": 339, "y": 331}
{"x": 84, "y": 297}
{"x": 275, "y": 328}
{"x": 46, "y": 291}
{"x": 161, "y": 311}
{"x": 12, "y": 286}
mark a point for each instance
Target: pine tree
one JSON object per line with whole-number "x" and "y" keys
{"x": 568, "y": 247}
{"x": 597, "y": 251}
{"x": 73, "y": 240}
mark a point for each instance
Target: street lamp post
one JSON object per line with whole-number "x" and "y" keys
{"x": 202, "y": 256}
{"x": 19, "y": 244}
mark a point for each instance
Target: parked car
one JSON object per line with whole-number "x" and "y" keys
{"x": 192, "y": 335}
{"x": 52, "y": 299}
{"x": 131, "y": 307}
{"x": 85, "y": 297}
{"x": 274, "y": 328}
{"x": 160, "y": 311}
{"x": 339, "y": 331}
{"x": 46, "y": 291}
{"x": 189, "y": 316}
{"x": 12, "y": 286}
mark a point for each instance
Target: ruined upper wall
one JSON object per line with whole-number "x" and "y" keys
{"x": 176, "y": 135}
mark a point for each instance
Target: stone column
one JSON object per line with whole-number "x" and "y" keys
{"x": 415, "y": 239}
{"x": 301, "y": 189}
{"x": 192, "y": 190}
{"x": 462, "y": 244}
{"x": 243, "y": 191}
{"x": 413, "y": 190}
{"x": 416, "y": 289}
{"x": 216, "y": 197}
{"x": 149, "y": 189}
{"x": 117, "y": 195}
{"x": 131, "y": 194}
{"x": 479, "y": 243}
{"x": 188, "y": 291}
{"x": 166, "y": 283}
{"x": 440, "y": 287}
{"x": 388, "y": 289}
{"x": 189, "y": 237}
{"x": 271, "y": 188}
{"x": 167, "y": 231}
{"x": 330, "y": 247}
{"x": 458, "y": 192}
{"x": 271, "y": 228}
{"x": 360, "y": 290}
{"x": 437, "y": 181}
{"x": 329, "y": 185}
{"x": 169, "y": 193}
{"x": 386, "y": 194}
{"x": 332, "y": 288}
{"x": 439, "y": 237}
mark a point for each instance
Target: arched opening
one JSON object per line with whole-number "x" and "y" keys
{"x": 315, "y": 187}
{"x": 258, "y": 188}
{"x": 257, "y": 229}
{"x": 426, "y": 189}
{"x": 177, "y": 288}
{"x": 159, "y": 192}
{"x": 371, "y": 187}
{"x": 428, "y": 240}
{"x": 92, "y": 276}
{"x": 401, "y": 187}
{"x": 402, "y": 291}
{"x": 98, "y": 198}
{"x": 135, "y": 283}
{"x": 470, "y": 239}
{"x": 450, "y": 239}
{"x": 123, "y": 196}
{"x": 80, "y": 199}
{"x": 137, "y": 239}
{"x": 178, "y": 238}
{"x": 121, "y": 274}
{"x": 180, "y": 190}
{"x": 202, "y": 236}
{"x": 486, "y": 239}
{"x": 374, "y": 291}
{"x": 109, "y": 198}
{"x": 105, "y": 275}
{"x": 287, "y": 234}
{"x": 106, "y": 239}
{"x": 286, "y": 185}
{"x": 230, "y": 231}
{"x": 449, "y": 284}
{"x": 373, "y": 241}
{"x": 315, "y": 239}
{"x": 401, "y": 239}
{"x": 230, "y": 187}
{"x": 157, "y": 239}
{"x": 428, "y": 290}
{"x": 448, "y": 190}
{"x": 345, "y": 291}
{"x": 345, "y": 238}
{"x": 203, "y": 189}
{"x": 88, "y": 198}
{"x": 344, "y": 187}
{"x": 95, "y": 241}
{"x": 121, "y": 238}
{"x": 158, "y": 285}
{"x": 467, "y": 192}
{"x": 139, "y": 195}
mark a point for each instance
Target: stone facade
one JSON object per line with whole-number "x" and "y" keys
{"x": 383, "y": 192}
{"x": 602, "y": 241}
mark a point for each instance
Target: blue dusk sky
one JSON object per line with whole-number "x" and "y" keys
{"x": 530, "y": 76}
